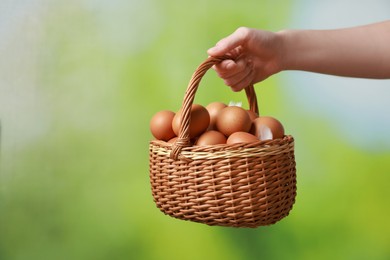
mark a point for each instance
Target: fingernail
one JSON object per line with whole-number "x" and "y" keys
{"x": 212, "y": 49}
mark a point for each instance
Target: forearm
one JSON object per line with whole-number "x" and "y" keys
{"x": 355, "y": 52}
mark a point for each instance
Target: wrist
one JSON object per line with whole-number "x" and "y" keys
{"x": 286, "y": 57}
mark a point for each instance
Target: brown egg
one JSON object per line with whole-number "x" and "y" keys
{"x": 214, "y": 108}
{"x": 210, "y": 138}
{"x": 199, "y": 120}
{"x": 233, "y": 119}
{"x": 241, "y": 137}
{"x": 266, "y": 127}
{"x": 171, "y": 141}
{"x": 161, "y": 125}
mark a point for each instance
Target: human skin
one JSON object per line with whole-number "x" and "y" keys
{"x": 361, "y": 51}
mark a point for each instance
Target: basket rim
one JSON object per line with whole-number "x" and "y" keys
{"x": 239, "y": 150}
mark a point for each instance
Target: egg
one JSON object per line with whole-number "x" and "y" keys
{"x": 172, "y": 140}
{"x": 241, "y": 137}
{"x": 214, "y": 108}
{"x": 161, "y": 125}
{"x": 199, "y": 121}
{"x": 233, "y": 119}
{"x": 267, "y": 127}
{"x": 210, "y": 138}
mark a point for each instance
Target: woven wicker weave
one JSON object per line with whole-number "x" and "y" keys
{"x": 240, "y": 185}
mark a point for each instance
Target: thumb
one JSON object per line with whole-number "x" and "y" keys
{"x": 227, "y": 44}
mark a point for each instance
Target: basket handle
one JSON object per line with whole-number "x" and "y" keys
{"x": 183, "y": 139}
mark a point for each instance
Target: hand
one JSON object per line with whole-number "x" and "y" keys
{"x": 255, "y": 53}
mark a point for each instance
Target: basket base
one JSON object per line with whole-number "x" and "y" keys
{"x": 232, "y": 217}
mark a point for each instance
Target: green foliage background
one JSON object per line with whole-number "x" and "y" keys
{"x": 80, "y": 188}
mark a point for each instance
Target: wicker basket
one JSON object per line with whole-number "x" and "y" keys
{"x": 240, "y": 185}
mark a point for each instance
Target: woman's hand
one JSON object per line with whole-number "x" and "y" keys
{"x": 256, "y": 55}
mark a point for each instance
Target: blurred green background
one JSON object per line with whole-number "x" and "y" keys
{"x": 79, "y": 82}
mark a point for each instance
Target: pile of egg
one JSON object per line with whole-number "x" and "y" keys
{"x": 217, "y": 123}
